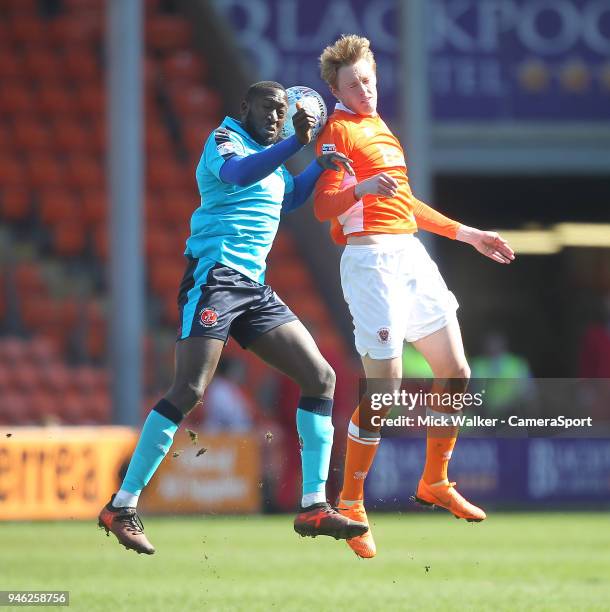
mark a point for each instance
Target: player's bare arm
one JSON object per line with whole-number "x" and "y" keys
{"x": 381, "y": 184}
{"x": 490, "y": 244}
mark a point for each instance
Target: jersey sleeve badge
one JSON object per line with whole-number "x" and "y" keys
{"x": 226, "y": 147}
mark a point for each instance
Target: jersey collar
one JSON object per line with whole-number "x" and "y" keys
{"x": 341, "y": 107}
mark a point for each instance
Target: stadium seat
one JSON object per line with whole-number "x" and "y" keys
{"x": 55, "y": 377}
{"x": 167, "y": 33}
{"x": 157, "y": 139}
{"x": 85, "y": 172}
{"x": 69, "y": 239}
{"x": 40, "y": 351}
{"x": 195, "y": 134}
{"x": 71, "y": 135}
{"x": 6, "y": 379}
{"x": 184, "y": 67}
{"x": 101, "y": 242}
{"x": 170, "y": 306}
{"x": 3, "y": 300}
{"x": 40, "y": 63}
{"x": 58, "y": 205}
{"x": 45, "y": 171}
{"x": 310, "y": 310}
{"x": 55, "y": 100}
{"x": 14, "y": 410}
{"x": 38, "y": 312}
{"x": 11, "y": 68}
{"x": 6, "y": 141}
{"x": 99, "y": 136}
{"x": 70, "y": 30}
{"x": 72, "y": 407}
{"x": 98, "y": 407}
{"x": 43, "y": 407}
{"x": 25, "y": 376}
{"x": 12, "y": 350}
{"x": 165, "y": 277}
{"x": 288, "y": 273}
{"x": 197, "y": 100}
{"x": 159, "y": 243}
{"x": 81, "y": 67}
{"x": 95, "y": 342}
{"x": 80, "y": 6}
{"x": 12, "y": 172}
{"x": 20, "y": 8}
{"x": 179, "y": 205}
{"x": 24, "y": 28}
{"x": 164, "y": 172}
{"x": 153, "y": 208}
{"x": 28, "y": 280}
{"x": 96, "y": 330}
{"x": 91, "y": 100}
{"x": 95, "y": 207}
{"x": 15, "y": 98}
{"x": 15, "y": 204}
{"x": 32, "y": 136}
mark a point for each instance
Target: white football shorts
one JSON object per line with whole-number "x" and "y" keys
{"x": 394, "y": 292}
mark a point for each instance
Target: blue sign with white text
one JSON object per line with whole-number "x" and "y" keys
{"x": 526, "y": 472}
{"x": 512, "y": 60}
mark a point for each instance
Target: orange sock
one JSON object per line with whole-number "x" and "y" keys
{"x": 438, "y": 453}
{"x": 439, "y": 441}
{"x": 361, "y": 448}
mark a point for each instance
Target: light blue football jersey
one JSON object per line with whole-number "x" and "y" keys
{"x": 234, "y": 225}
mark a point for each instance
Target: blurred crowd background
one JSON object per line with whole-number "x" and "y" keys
{"x": 517, "y": 97}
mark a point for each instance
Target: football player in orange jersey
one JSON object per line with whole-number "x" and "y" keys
{"x": 394, "y": 290}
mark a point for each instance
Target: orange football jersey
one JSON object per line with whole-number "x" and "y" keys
{"x": 372, "y": 147}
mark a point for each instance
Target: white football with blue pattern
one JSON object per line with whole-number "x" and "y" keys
{"x": 312, "y": 101}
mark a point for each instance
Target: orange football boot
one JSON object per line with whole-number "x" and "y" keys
{"x": 444, "y": 495}
{"x": 363, "y": 545}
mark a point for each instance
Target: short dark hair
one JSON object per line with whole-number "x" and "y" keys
{"x": 262, "y": 87}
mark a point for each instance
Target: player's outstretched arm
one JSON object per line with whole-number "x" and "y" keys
{"x": 247, "y": 170}
{"x": 244, "y": 171}
{"x": 490, "y": 244}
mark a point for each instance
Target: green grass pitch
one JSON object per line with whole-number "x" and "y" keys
{"x": 425, "y": 562}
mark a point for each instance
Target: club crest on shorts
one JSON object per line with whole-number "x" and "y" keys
{"x": 383, "y": 333}
{"x": 208, "y": 317}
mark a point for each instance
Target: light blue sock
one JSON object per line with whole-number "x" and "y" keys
{"x": 154, "y": 443}
{"x": 315, "y": 428}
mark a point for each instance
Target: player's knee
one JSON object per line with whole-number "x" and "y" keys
{"x": 327, "y": 380}
{"x": 463, "y": 372}
{"x": 461, "y": 377}
{"x": 185, "y": 396}
{"x": 320, "y": 381}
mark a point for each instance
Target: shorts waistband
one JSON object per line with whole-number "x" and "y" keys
{"x": 386, "y": 242}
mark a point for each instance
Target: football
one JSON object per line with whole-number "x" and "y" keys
{"x": 312, "y": 101}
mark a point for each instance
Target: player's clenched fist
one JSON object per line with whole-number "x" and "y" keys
{"x": 303, "y": 121}
{"x": 381, "y": 184}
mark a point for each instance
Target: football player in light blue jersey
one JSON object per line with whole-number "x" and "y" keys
{"x": 244, "y": 188}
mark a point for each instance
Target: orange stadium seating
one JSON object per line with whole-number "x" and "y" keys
{"x": 52, "y": 196}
